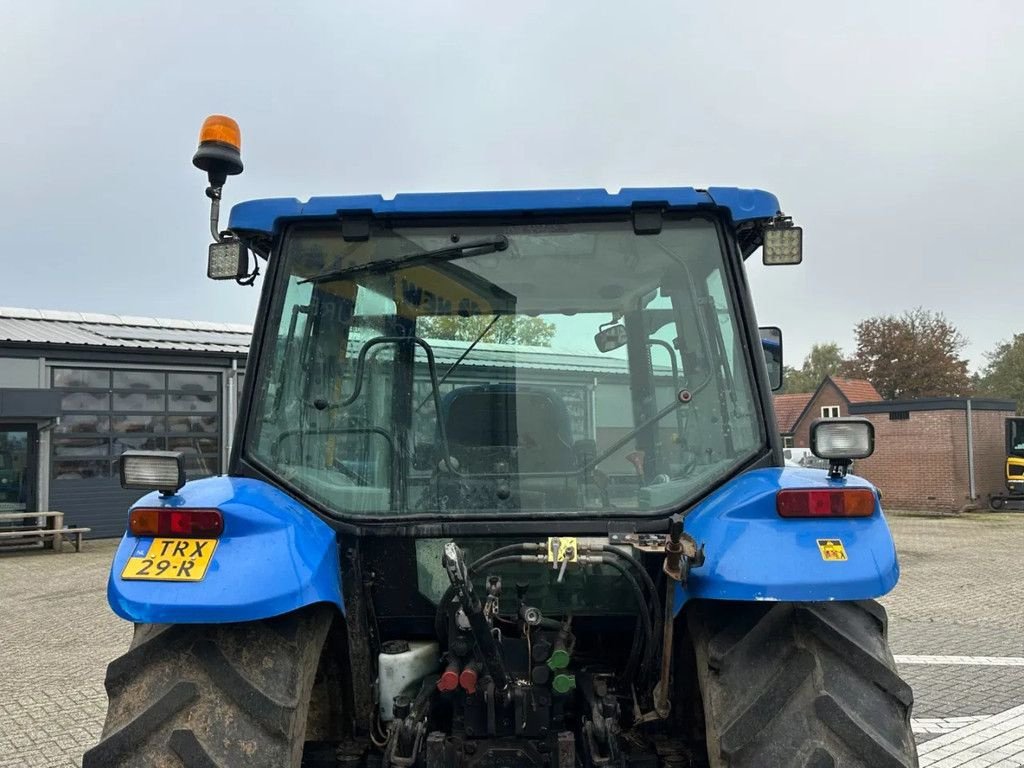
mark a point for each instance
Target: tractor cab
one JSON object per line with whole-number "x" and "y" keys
{"x": 506, "y": 490}
{"x": 471, "y": 369}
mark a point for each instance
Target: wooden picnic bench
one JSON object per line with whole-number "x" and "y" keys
{"x": 52, "y": 527}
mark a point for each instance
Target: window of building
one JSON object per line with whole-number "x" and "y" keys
{"x": 787, "y": 441}
{"x": 107, "y": 412}
{"x": 830, "y": 412}
{"x": 899, "y": 415}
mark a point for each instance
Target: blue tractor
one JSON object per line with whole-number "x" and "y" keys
{"x": 506, "y": 490}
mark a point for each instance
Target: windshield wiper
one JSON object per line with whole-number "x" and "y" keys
{"x": 447, "y": 253}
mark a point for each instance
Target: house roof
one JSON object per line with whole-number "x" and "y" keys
{"x": 86, "y": 329}
{"x": 82, "y": 329}
{"x": 935, "y": 404}
{"x": 857, "y": 390}
{"x": 789, "y": 408}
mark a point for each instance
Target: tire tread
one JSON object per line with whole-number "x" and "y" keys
{"x": 210, "y": 696}
{"x": 808, "y": 684}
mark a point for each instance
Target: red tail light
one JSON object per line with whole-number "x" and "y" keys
{"x": 184, "y": 523}
{"x": 847, "y": 502}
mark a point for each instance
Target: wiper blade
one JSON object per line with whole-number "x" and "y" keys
{"x": 447, "y": 253}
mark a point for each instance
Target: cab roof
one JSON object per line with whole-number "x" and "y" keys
{"x": 267, "y": 216}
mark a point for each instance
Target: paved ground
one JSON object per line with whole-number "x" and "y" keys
{"x": 956, "y": 626}
{"x": 956, "y": 623}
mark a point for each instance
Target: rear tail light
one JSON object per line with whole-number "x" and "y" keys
{"x": 186, "y": 523}
{"x": 850, "y": 502}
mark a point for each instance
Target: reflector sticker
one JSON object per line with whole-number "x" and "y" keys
{"x": 832, "y": 550}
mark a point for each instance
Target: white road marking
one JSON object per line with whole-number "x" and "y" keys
{"x": 967, "y": 661}
{"x": 941, "y": 724}
{"x": 996, "y": 741}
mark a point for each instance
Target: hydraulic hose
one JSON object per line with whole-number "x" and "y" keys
{"x": 490, "y": 560}
{"x": 648, "y": 581}
{"x": 506, "y": 550}
{"x": 655, "y": 597}
{"x": 644, "y": 618}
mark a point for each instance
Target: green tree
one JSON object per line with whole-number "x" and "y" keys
{"x": 823, "y": 360}
{"x": 508, "y": 329}
{"x": 916, "y": 354}
{"x": 1003, "y": 375}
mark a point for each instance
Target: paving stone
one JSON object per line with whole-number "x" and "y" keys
{"x": 57, "y": 635}
{"x": 961, "y": 594}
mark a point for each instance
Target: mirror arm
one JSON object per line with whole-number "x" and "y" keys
{"x": 214, "y": 192}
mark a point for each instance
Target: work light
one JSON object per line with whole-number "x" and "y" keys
{"x": 162, "y": 471}
{"x": 783, "y": 243}
{"x": 839, "y": 439}
{"x": 228, "y": 260}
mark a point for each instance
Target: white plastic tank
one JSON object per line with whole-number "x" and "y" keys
{"x": 400, "y": 667}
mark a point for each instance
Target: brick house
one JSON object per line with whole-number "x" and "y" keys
{"x": 921, "y": 458}
{"x": 833, "y": 397}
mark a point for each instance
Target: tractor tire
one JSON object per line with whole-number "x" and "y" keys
{"x": 800, "y": 685}
{"x": 213, "y": 695}
{"x": 997, "y": 503}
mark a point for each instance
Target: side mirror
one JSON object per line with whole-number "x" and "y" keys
{"x": 612, "y": 337}
{"x": 771, "y": 343}
{"x": 228, "y": 260}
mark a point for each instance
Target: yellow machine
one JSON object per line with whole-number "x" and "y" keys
{"x": 1014, "y": 466}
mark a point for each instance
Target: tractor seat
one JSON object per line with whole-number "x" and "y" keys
{"x": 527, "y": 427}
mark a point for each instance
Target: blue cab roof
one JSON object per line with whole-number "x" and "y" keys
{"x": 268, "y": 215}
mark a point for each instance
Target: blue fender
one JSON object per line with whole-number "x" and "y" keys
{"x": 274, "y": 556}
{"x": 753, "y": 554}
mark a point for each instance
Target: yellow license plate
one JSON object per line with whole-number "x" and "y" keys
{"x": 171, "y": 560}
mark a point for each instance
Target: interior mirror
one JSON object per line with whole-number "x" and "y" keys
{"x": 610, "y": 337}
{"x": 228, "y": 260}
{"x": 771, "y": 343}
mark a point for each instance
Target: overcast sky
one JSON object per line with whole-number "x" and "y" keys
{"x": 892, "y": 131}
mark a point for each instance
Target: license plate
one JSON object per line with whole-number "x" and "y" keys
{"x": 171, "y": 560}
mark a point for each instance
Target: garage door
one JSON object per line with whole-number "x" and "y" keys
{"x": 105, "y": 412}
